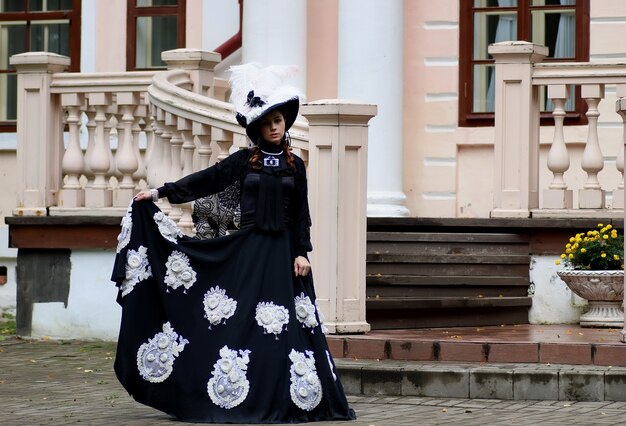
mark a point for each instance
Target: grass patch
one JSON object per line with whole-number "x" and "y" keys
{"x": 7, "y": 325}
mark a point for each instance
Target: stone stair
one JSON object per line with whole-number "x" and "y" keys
{"x": 424, "y": 276}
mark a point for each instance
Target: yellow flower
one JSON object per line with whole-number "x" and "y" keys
{"x": 572, "y": 239}
{"x": 557, "y": 262}
{"x": 616, "y": 257}
{"x": 563, "y": 255}
{"x": 583, "y": 250}
{"x": 609, "y": 226}
{"x": 603, "y": 255}
{"x": 568, "y": 251}
{"x": 600, "y": 225}
{"x": 568, "y": 245}
{"x": 571, "y": 256}
{"x": 606, "y": 237}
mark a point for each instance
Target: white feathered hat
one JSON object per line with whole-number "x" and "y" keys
{"x": 257, "y": 90}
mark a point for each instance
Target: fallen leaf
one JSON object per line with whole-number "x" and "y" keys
{"x": 445, "y": 410}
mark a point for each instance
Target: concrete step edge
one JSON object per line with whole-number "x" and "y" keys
{"x": 550, "y": 382}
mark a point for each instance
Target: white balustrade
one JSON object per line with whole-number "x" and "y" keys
{"x": 72, "y": 195}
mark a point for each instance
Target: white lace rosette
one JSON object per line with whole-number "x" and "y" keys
{"x": 305, "y": 312}
{"x": 305, "y": 389}
{"x": 167, "y": 227}
{"x": 127, "y": 226}
{"x": 228, "y": 386}
{"x": 273, "y": 318}
{"x": 179, "y": 271}
{"x": 137, "y": 269}
{"x": 332, "y": 367}
{"x": 217, "y": 306}
{"x": 155, "y": 359}
{"x": 321, "y": 317}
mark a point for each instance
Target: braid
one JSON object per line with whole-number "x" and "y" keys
{"x": 287, "y": 150}
{"x": 255, "y": 158}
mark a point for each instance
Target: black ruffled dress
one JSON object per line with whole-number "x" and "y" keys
{"x": 221, "y": 330}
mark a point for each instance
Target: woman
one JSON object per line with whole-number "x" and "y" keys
{"x": 227, "y": 330}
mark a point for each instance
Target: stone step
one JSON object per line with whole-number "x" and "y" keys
{"x": 552, "y": 382}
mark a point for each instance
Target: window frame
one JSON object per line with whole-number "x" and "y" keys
{"x": 74, "y": 18}
{"x": 133, "y": 12}
{"x": 468, "y": 118}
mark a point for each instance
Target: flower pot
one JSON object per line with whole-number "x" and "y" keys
{"x": 605, "y": 292}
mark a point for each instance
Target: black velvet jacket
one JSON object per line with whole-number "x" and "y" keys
{"x": 263, "y": 192}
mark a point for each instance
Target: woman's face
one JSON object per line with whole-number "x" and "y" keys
{"x": 273, "y": 127}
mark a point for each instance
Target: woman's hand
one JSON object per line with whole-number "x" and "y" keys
{"x": 143, "y": 195}
{"x": 301, "y": 266}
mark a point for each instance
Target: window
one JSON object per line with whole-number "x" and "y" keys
{"x": 34, "y": 25}
{"x": 561, "y": 25}
{"x": 154, "y": 26}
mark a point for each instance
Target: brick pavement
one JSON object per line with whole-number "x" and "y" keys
{"x": 60, "y": 383}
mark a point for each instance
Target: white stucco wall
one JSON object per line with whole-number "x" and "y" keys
{"x": 553, "y": 302}
{"x": 91, "y": 311}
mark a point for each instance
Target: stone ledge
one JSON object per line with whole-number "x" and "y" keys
{"x": 502, "y": 381}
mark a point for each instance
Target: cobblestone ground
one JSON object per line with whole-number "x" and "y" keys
{"x": 60, "y": 383}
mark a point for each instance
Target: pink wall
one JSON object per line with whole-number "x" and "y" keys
{"x": 322, "y": 49}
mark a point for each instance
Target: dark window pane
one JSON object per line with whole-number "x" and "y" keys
{"x": 12, "y": 5}
{"x": 148, "y": 3}
{"x": 555, "y": 29}
{"x": 553, "y": 3}
{"x": 8, "y": 96}
{"x": 13, "y": 37}
{"x": 495, "y": 3}
{"x": 155, "y": 34}
{"x": 492, "y": 27}
{"x": 49, "y": 5}
{"x": 484, "y": 88}
{"x": 50, "y": 36}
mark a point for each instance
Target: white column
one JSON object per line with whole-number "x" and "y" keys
{"x": 274, "y": 33}
{"x": 370, "y": 70}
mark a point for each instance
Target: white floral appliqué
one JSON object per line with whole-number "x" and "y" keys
{"x": 332, "y": 367}
{"x": 179, "y": 271}
{"x": 305, "y": 312}
{"x": 321, "y": 317}
{"x": 127, "y": 226}
{"x": 305, "y": 389}
{"x": 167, "y": 227}
{"x": 137, "y": 269}
{"x": 228, "y": 386}
{"x": 155, "y": 359}
{"x": 273, "y": 318}
{"x": 217, "y": 306}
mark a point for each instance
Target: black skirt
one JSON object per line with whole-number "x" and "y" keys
{"x": 220, "y": 330}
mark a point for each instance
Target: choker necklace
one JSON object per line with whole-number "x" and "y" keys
{"x": 272, "y": 153}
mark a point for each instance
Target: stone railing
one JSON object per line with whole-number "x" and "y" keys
{"x": 518, "y": 169}
{"x": 88, "y": 142}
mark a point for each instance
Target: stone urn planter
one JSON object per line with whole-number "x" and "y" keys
{"x": 605, "y": 292}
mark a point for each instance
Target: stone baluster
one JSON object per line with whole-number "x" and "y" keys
{"x": 188, "y": 147}
{"x": 98, "y": 194}
{"x": 557, "y": 196}
{"x": 140, "y": 174}
{"x": 154, "y": 154}
{"x": 125, "y": 158}
{"x": 72, "y": 195}
{"x": 202, "y": 135}
{"x": 90, "y": 112}
{"x": 113, "y": 121}
{"x": 166, "y": 159}
{"x": 591, "y": 196}
{"x": 224, "y": 140}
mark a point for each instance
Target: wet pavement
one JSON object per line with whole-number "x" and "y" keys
{"x": 44, "y": 382}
